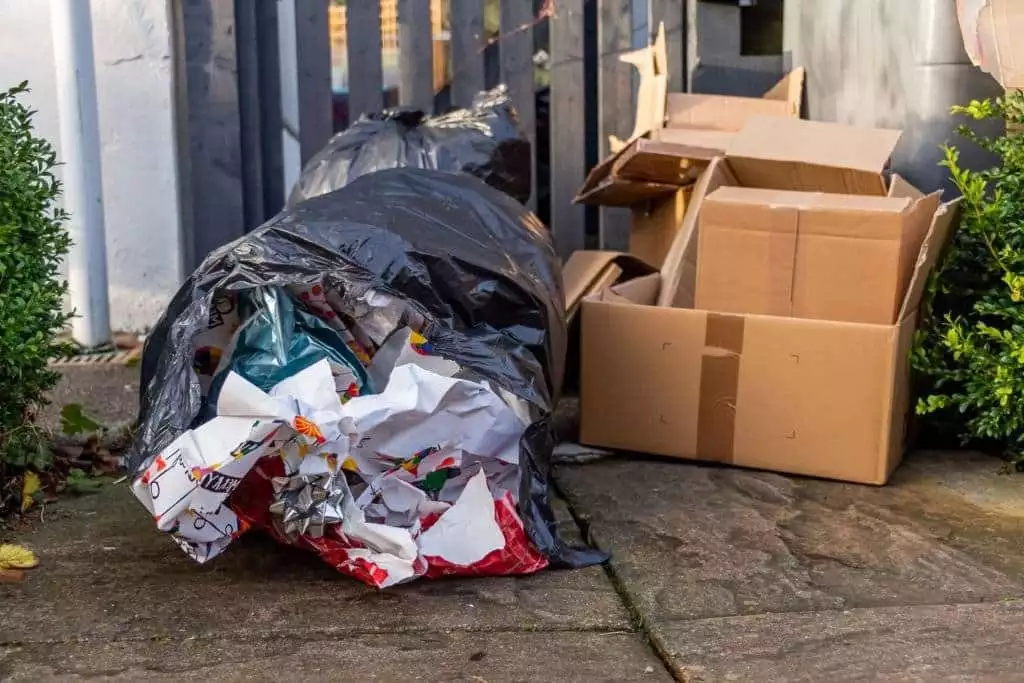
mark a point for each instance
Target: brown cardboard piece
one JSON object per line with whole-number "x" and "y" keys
{"x": 784, "y": 154}
{"x": 805, "y": 254}
{"x": 811, "y": 156}
{"x": 812, "y": 397}
{"x": 729, "y": 113}
{"x": 656, "y": 159}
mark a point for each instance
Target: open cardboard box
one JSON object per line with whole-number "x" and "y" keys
{"x": 811, "y": 397}
{"x": 676, "y": 135}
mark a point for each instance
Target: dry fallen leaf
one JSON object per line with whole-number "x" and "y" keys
{"x": 30, "y": 485}
{"x": 11, "y": 575}
{"x": 16, "y": 557}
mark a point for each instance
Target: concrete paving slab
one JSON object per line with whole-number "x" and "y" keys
{"x": 109, "y": 393}
{"x": 920, "y": 643}
{"x": 692, "y": 542}
{"x": 453, "y": 656}
{"x": 106, "y": 573}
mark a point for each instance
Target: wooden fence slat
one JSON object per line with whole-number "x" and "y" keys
{"x": 415, "y": 55}
{"x": 313, "y": 56}
{"x": 210, "y": 136}
{"x": 271, "y": 120}
{"x": 365, "y": 72}
{"x": 467, "y": 22}
{"x": 246, "y": 18}
{"x": 517, "y": 72}
{"x": 567, "y": 125}
{"x": 673, "y": 14}
{"x": 615, "y": 103}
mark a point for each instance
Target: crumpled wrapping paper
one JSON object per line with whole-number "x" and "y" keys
{"x": 419, "y": 479}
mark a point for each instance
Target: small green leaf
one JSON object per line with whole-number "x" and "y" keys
{"x": 73, "y": 420}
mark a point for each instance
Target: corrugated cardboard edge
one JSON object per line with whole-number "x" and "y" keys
{"x": 790, "y": 90}
{"x": 859, "y": 152}
{"x": 939, "y": 234}
{"x": 586, "y": 272}
{"x": 681, "y": 256}
{"x": 652, "y": 64}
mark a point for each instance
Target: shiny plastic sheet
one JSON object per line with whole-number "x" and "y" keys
{"x": 460, "y": 263}
{"x": 483, "y": 141}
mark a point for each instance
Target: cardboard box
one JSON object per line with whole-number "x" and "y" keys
{"x": 808, "y": 254}
{"x": 676, "y": 135}
{"x": 799, "y": 156}
{"x": 812, "y": 397}
{"x": 584, "y": 274}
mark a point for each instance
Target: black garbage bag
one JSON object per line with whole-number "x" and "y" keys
{"x": 474, "y": 268}
{"x": 484, "y": 141}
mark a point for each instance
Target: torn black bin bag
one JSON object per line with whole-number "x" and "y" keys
{"x": 475, "y": 264}
{"x": 484, "y": 141}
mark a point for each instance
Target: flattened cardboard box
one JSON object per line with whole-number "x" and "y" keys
{"x": 811, "y": 397}
{"x": 808, "y": 254}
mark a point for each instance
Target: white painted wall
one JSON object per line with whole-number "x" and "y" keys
{"x": 132, "y": 45}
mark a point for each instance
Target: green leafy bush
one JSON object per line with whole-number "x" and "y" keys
{"x": 970, "y": 352}
{"x": 33, "y": 241}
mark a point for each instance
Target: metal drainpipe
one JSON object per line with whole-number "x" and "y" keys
{"x": 71, "y": 23}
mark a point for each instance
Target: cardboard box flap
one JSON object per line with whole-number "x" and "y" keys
{"x": 811, "y": 156}
{"x": 587, "y": 272}
{"x": 899, "y": 187}
{"x": 679, "y": 271}
{"x": 789, "y": 90}
{"x": 730, "y": 113}
{"x": 750, "y": 196}
{"x": 645, "y": 169}
{"x": 651, "y": 64}
{"x": 660, "y": 162}
{"x": 935, "y": 241}
{"x": 700, "y": 144}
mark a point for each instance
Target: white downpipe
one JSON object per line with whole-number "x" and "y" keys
{"x": 71, "y": 23}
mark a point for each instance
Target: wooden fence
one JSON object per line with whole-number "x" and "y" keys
{"x": 573, "y": 85}
{"x": 254, "y": 94}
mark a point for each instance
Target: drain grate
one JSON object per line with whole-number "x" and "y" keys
{"x": 102, "y": 358}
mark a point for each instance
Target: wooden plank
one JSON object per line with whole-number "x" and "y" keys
{"x": 365, "y": 72}
{"x": 313, "y": 56}
{"x": 467, "y": 22}
{"x": 567, "y": 126}
{"x": 673, "y": 14}
{"x": 616, "y": 103}
{"x": 271, "y": 121}
{"x": 517, "y": 73}
{"x": 209, "y": 130}
{"x": 249, "y": 111}
{"x": 415, "y": 56}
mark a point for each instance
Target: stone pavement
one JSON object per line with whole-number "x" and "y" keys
{"x": 716, "y": 574}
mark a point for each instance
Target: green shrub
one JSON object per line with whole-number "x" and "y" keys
{"x": 33, "y": 241}
{"x": 970, "y": 352}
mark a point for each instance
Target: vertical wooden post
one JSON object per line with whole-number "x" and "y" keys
{"x": 271, "y": 120}
{"x": 467, "y": 22}
{"x": 313, "y": 54}
{"x": 365, "y": 72}
{"x": 567, "y": 125}
{"x": 209, "y": 128}
{"x": 517, "y": 72}
{"x": 251, "y": 124}
{"x": 615, "y": 103}
{"x": 415, "y": 56}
